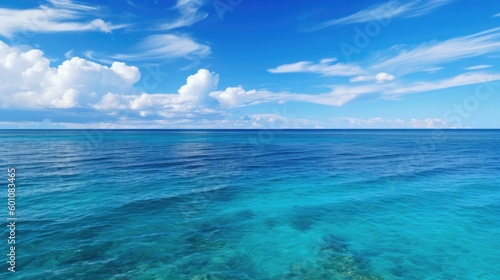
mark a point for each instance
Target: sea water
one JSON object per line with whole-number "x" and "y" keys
{"x": 252, "y": 204}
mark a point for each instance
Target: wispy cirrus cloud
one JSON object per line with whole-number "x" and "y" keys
{"x": 326, "y": 67}
{"x": 189, "y": 14}
{"x": 459, "y": 80}
{"x": 70, "y": 5}
{"x": 403, "y": 60}
{"x": 496, "y": 15}
{"x": 478, "y": 67}
{"x": 166, "y": 46}
{"x": 381, "y": 77}
{"x": 57, "y": 16}
{"x": 388, "y": 10}
{"x": 409, "y": 60}
{"x": 397, "y": 59}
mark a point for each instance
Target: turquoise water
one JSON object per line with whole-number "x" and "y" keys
{"x": 291, "y": 204}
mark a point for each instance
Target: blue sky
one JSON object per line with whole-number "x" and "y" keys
{"x": 249, "y": 64}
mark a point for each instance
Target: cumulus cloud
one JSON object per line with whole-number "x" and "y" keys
{"x": 379, "y": 78}
{"x": 28, "y": 80}
{"x": 113, "y": 101}
{"x": 193, "y": 97}
{"x": 197, "y": 89}
{"x": 59, "y": 16}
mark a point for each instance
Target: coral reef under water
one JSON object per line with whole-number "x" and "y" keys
{"x": 333, "y": 261}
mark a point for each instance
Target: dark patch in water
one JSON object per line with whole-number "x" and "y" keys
{"x": 334, "y": 243}
{"x": 271, "y": 222}
{"x": 302, "y": 224}
{"x": 398, "y": 271}
{"x": 303, "y": 218}
{"x": 87, "y": 252}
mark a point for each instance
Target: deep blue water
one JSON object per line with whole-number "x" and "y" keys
{"x": 291, "y": 204}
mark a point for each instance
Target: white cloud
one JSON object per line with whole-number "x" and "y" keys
{"x": 372, "y": 121}
{"x": 338, "y": 96}
{"x": 275, "y": 121}
{"x": 381, "y": 12}
{"x": 343, "y": 94}
{"x": 378, "y": 122}
{"x": 68, "y": 54}
{"x": 478, "y": 67}
{"x": 198, "y": 87}
{"x": 432, "y": 70}
{"x": 261, "y": 121}
{"x": 113, "y": 101}
{"x": 381, "y": 77}
{"x": 61, "y": 16}
{"x": 28, "y": 80}
{"x": 193, "y": 97}
{"x": 388, "y": 10}
{"x": 460, "y": 80}
{"x": 189, "y": 14}
{"x": 496, "y": 15}
{"x": 69, "y": 5}
{"x": 81, "y": 83}
{"x": 236, "y": 96}
{"x": 167, "y": 46}
{"x": 403, "y": 60}
{"x": 324, "y": 67}
{"x": 429, "y": 123}
{"x": 432, "y": 54}
{"x": 172, "y": 46}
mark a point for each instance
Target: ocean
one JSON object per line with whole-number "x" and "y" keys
{"x": 252, "y": 204}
